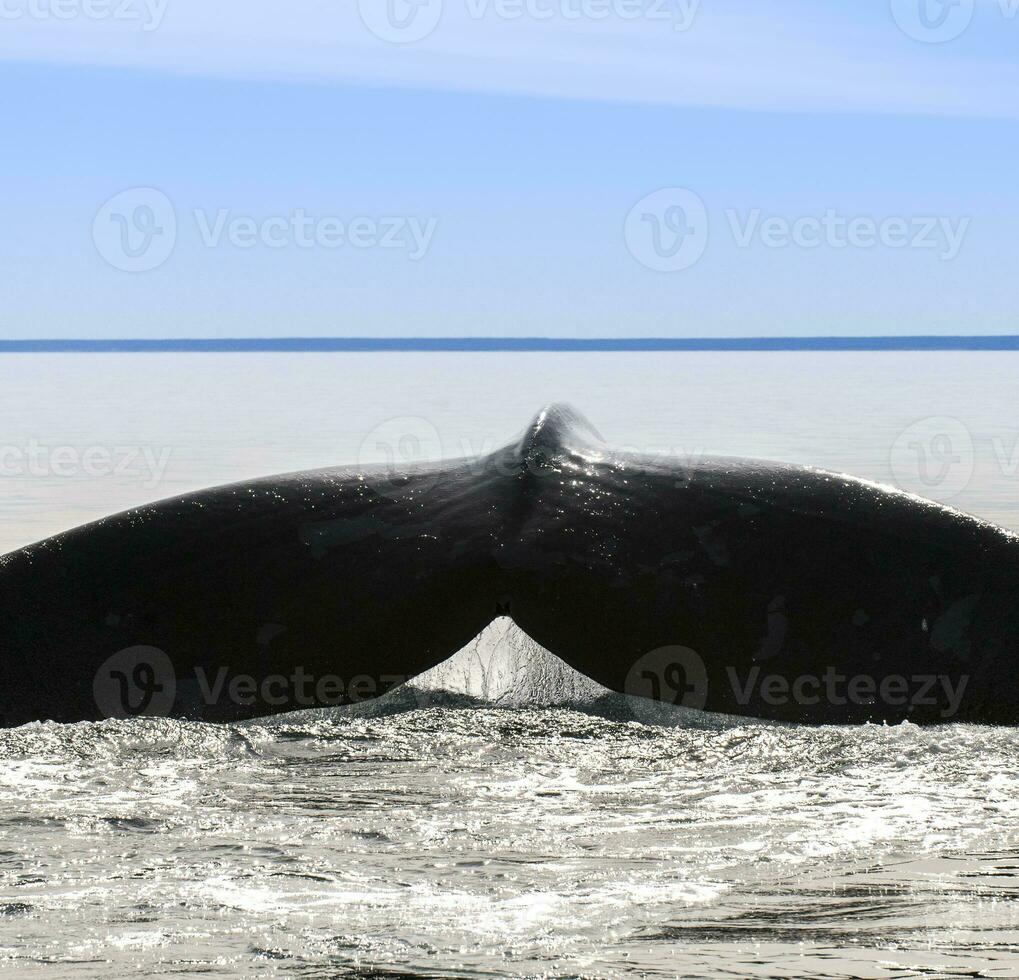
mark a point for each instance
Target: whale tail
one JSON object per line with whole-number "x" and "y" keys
{"x": 601, "y": 557}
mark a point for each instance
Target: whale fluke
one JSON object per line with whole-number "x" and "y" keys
{"x": 773, "y": 581}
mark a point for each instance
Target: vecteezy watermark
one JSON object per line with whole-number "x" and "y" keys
{"x": 35, "y": 459}
{"x": 936, "y": 457}
{"x": 933, "y": 457}
{"x": 836, "y": 231}
{"x": 138, "y": 680}
{"x": 677, "y": 675}
{"x": 396, "y": 445}
{"x": 297, "y": 689}
{"x": 141, "y": 681}
{"x": 932, "y": 21}
{"x": 137, "y": 229}
{"x": 832, "y": 687}
{"x": 938, "y": 21}
{"x": 298, "y": 229}
{"x": 408, "y": 21}
{"x": 668, "y": 230}
{"x": 673, "y": 675}
{"x": 147, "y": 14}
{"x": 400, "y": 21}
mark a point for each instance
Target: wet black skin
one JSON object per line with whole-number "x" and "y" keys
{"x": 600, "y": 556}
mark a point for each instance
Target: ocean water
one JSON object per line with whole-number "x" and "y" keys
{"x": 508, "y": 833}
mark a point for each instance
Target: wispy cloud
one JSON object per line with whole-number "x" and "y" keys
{"x": 778, "y": 57}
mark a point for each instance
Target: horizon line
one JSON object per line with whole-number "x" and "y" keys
{"x": 902, "y": 342}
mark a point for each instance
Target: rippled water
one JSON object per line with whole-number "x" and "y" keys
{"x": 509, "y": 841}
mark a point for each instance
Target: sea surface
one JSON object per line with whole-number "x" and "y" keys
{"x": 498, "y": 836}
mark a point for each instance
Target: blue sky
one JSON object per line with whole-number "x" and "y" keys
{"x": 528, "y": 167}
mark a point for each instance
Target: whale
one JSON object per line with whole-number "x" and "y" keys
{"x": 746, "y": 587}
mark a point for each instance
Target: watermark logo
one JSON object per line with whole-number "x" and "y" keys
{"x": 298, "y": 689}
{"x": 140, "y": 681}
{"x": 146, "y": 14}
{"x": 677, "y": 676}
{"x": 933, "y": 21}
{"x": 136, "y": 230}
{"x": 667, "y": 231}
{"x": 299, "y": 229}
{"x": 137, "y": 681}
{"x": 835, "y": 689}
{"x": 146, "y": 463}
{"x": 674, "y": 674}
{"x": 408, "y": 21}
{"x": 837, "y": 231}
{"x": 400, "y": 21}
{"x": 396, "y": 445}
{"x": 933, "y": 457}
